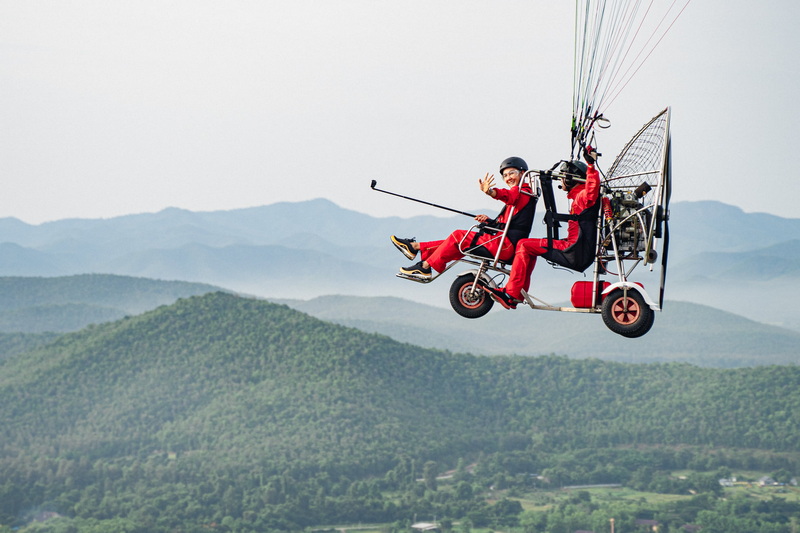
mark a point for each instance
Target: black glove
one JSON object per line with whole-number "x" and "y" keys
{"x": 589, "y": 155}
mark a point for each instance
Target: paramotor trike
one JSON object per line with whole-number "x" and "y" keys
{"x": 633, "y": 232}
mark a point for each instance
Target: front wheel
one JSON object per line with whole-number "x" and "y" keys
{"x": 627, "y": 315}
{"x": 468, "y": 298}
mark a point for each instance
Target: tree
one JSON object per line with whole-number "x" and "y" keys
{"x": 506, "y": 512}
{"x": 464, "y": 491}
{"x": 532, "y": 521}
{"x": 429, "y": 473}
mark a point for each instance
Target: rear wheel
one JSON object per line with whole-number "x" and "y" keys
{"x": 627, "y": 314}
{"x": 467, "y": 301}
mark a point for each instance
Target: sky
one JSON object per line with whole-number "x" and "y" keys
{"x": 111, "y": 108}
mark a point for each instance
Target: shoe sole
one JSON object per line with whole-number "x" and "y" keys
{"x": 404, "y": 249}
{"x": 416, "y": 274}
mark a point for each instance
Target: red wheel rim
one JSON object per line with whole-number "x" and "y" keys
{"x": 625, "y": 311}
{"x": 464, "y": 296}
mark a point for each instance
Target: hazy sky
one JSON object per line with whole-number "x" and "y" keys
{"x": 110, "y": 108}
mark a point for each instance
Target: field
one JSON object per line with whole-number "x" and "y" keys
{"x": 547, "y": 499}
{"x": 544, "y": 500}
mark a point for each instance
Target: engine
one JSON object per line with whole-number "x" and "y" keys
{"x": 631, "y": 219}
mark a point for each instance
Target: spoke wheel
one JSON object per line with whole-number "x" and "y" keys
{"x": 627, "y": 314}
{"x": 467, "y": 302}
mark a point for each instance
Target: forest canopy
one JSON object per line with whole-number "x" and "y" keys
{"x": 221, "y": 406}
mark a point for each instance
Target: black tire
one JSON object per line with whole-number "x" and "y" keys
{"x": 629, "y": 316}
{"x": 646, "y": 325}
{"x": 465, "y": 301}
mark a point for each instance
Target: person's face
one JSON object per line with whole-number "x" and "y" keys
{"x": 512, "y": 177}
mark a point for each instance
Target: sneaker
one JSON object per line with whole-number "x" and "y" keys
{"x": 405, "y": 246}
{"x": 500, "y": 296}
{"x": 417, "y": 271}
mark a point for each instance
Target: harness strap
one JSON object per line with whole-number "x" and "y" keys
{"x": 552, "y": 219}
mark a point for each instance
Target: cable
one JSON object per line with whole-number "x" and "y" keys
{"x": 613, "y": 40}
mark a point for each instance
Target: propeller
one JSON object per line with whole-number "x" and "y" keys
{"x": 666, "y": 196}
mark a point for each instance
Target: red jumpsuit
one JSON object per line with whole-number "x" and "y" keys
{"x": 439, "y": 253}
{"x": 582, "y": 196}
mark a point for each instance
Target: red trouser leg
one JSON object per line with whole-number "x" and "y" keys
{"x": 445, "y": 251}
{"x": 522, "y": 267}
{"x": 427, "y": 248}
{"x": 439, "y": 253}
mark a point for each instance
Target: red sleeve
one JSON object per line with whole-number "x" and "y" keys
{"x": 592, "y": 184}
{"x": 507, "y": 196}
{"x": 588, "y": 195}
{"x": 513, "y": 197}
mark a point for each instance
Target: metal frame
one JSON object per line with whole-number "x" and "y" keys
{"x": 642, "y": 216}
{"x": 484, "y": 264}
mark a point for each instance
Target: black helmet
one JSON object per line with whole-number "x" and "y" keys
{"x": 514, "y": 162}
{"x": 575, "y": 173}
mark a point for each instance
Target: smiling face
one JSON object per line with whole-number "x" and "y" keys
{"x": 512, "y": 177}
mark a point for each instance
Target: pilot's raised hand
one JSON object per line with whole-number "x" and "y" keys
{"x": 590, "y": 154}
{"x": 486, "y": 184}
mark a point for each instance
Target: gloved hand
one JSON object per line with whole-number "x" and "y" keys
{"x": 590, "y": 154}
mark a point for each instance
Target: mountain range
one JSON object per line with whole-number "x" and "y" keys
{"x": 744, "y": 263}
{"x": 728, "y": 302}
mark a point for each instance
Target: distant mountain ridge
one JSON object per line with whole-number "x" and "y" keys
{"x": 709, "y": 225}
{"x": 40, "y": 304}
{"x": 698, "y": 225}
{"x": 257, "y": 250}
{"x": 719, "y": 255}
{"x": 686, "y": 332}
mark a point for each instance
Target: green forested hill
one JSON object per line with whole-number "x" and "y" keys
{"x": 262, "y": 411}
{"x": 222, "y": 373}
{"x": 14, "y": 343}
